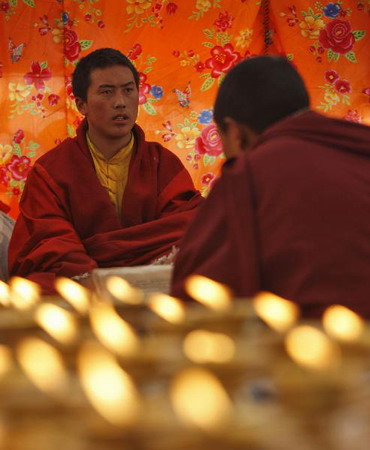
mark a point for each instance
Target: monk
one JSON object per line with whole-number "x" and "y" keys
{"x": 291, "y": 212}
{"x": 107, "y": 197}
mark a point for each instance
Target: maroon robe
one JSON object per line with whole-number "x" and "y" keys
{"x": 292, "y": 216}
{"x": 68, "y": 225}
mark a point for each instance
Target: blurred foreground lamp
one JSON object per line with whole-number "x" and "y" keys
{"x": 44, "y": 366}
{"x": 210, "y": 293}
{"x": 57, "y": 322}
{"x": 24, "y": 294}
{"x": 203, "y": 346}
{"x": 200, "y": 400}
{"x": 169, "y": 308}
{"x": 278, "y": 313}
{"x": 342, "y": 323}
{"x": 4, "y": 294}
{"x": 112, "y": 331}
{"x": 311, "y": 348}
{"x": 123, "y": 291}
{"x": 75, "y": 294}
{"x": 5, "y": 360}
{"x": 108, "y": 387}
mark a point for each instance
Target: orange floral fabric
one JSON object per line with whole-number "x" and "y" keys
{"x": 182, "y": 50}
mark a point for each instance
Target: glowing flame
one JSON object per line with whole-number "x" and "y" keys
{"x": 311, "y": 348}
{"x": 74, "y": 293}
{"x": 5, "y": 360}
{"x": 58, "y": 322}
{"x": 43, "y": 364}
{"x": 4, "y": 294}
{"x": 210, "y": 293}
{"x": 123, "y": 291}
{"x": 169, "y": 308}
{"x": 200, "y": 400}
{"x": 204, "y": 346}
{"x": 24, "y": 294}
{"x": 108, "y": 387}
{"x": 112, "y": 331}
{"x": 342, "y": 323}
{"x": 278, "y": 313}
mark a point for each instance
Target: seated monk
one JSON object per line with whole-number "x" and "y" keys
{"x": 107, "y": 197}
{"x": 290, "y": 213}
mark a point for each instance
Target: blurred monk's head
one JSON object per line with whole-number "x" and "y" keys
{"x": 255, "y": 94}
{"x": 106, "y": 86}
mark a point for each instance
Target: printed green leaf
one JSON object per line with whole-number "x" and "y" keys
{"x": 43, "y": 64}
{"x": 358, "y": 34}
{"x": 208, "y": 160}
{"x": 31, "y": 154}
{"x": 209, "y": 33}
{"x": 208, "y": 44}
{"x": 32, "y": 146}
{"x": 17, "y": 151}
{"x": 147, "y": 69}
{"x": 30, "y": 3}
{"x": 85, "y": 44}
{"x": 351, "y": 56}
{"x": 207, "y": 84}
{"x": 335, "y": 57}
{"x": 71, "y": 130}
{"x": 149, "y": 109}
{"x": 205, "y": 75}
{"x": 221, "y": 78}
{"x": 13, "y": 183}
{"x": 13, "y": 3}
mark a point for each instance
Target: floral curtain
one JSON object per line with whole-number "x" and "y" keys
{"x": 182, "y": 50}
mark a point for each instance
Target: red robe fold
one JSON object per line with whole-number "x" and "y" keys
{"x": 68, "y": 225}
{"x": 292, "y": 216}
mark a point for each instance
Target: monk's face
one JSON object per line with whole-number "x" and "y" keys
{"x": 111, "y": 106}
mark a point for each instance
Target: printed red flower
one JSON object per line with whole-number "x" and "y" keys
{"x": 4, "y": 6}
{"x": 72, "y": 46}
{"x": 224, "y": 21}
{"x": 208, "y": 178}
{"x": 19, "y": 167}
{"x": 337, "y": 36}
{"x": 144, "y": 88}
{"x": 68, "y": 86}
{"x": 77, "y": 121}
{"x": 342, "y": 86}
{"x": 4, "y": 207}
{"x": 37, "y": 76}
{"x": 223, "y": 59}
{"x": 18, "y": 136}
{"x": 209, "y": 142}
{"x": 331, "y": 76}
{"x": 53, "y": 99}
{"x": 171, "y": 8}
{"x": 135, "y": 51}
{"x": 4, "y": 176}
{"x": 199, "y": 66}
{"x": 16, "y": 191}
{"x": 353, "y": 116}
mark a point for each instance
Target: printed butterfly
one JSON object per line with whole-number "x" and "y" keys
{"x": 183, "y": 97}
{"x": 15, "y": 51}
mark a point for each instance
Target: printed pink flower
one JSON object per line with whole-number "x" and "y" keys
{"x": 353, "y": 116}
{"x": 331, "y": 76}
{"x": 342, "y": 86}
{"x": 135, "y": 51}
{"x": 19, "y": 167}
{"x": 4, "y": 176}
{"x": 224, "y": 21}
{"x": 337, "y": 36}
{"x": 72, "y": 46}
{"x": 208, "y": 178}
{"x": 223, "y": 59}
{"x": 209, "y": 142}
{"x": 4, "y": 6}
{"x": 171, "y": 8}
{"x": 37, "y": 76}
{"x": 144, "y": 88}
{"x": 18, "y": 136}
{"x": 53, "y": 99}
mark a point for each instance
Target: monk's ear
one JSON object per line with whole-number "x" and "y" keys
{"x": 81, "y": 106}
{"x": 236, "y": 137}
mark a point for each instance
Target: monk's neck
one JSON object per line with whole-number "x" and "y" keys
{"x": 109, "y": 148}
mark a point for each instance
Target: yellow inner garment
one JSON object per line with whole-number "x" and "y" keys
{"x": 113, "y": 172}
